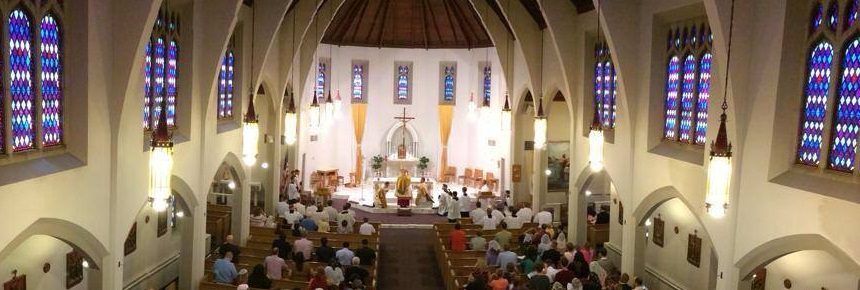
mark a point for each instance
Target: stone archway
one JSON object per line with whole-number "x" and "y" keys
{"x": 768, "y": 252}
{"x": 95, "y": 254}
{"x": 645, "y": 209}
{"x": 229, "y": 197}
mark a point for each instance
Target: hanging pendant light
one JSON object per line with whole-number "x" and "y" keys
{"x": 160, "y": 162}
{"x": 314, "y": 115}
{"x": 329, "y": 109}
{"x": 595, "y": 135}
{"x": 540, "y": 126}
{"x": 506, "y": 114}
{"x": 250, "y": 133}
{"x": 720, "y": 164}
{"x": 250, "y": 124}
{"x": 473, "y": 108}
{"x": 338, "y": 105}
{"x": 291, "y": 120}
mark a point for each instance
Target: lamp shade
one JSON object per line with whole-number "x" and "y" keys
{"x": 595, "y": 150}
{"x": 719, "y": 172}
{"x": 160, "y": 165}
{"x": 314, "y": 115}
{"x": 506, "y": 114}
{"x": 291, "y": 121}
{"x": 338, "y": 105}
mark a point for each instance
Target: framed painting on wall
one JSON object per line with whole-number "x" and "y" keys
{"x": 131, "y": 240}
{"x": 620, "y": 213}
{"x": 694, "y": 249}
{"x": 758, "y": 279}
{"x": 162, "y": 222}
{"x": 558, "y": 162}
{"x": 16, "y": 283}
{"x": 74, "y": 269}
{"x": 659, "y": 231}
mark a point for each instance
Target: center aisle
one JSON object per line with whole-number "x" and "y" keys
{"x": 407, "y": 260}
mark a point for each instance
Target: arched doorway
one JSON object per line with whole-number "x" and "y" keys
{"x": 53, "y": 254}
{"x": 806, "y": 261}
{"x": 223, "y": 203}
{"x": 673, "y": 250}
{"x": 596, "y": 210}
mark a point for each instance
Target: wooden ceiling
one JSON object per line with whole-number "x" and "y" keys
{"x": 408, "y": 24}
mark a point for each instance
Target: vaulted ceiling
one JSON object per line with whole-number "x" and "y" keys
{"x": 408, "y": 24}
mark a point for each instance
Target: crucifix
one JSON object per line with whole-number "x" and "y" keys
{"x": 401, "y": 150}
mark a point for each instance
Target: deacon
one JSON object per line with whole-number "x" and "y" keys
{"x": 380, "y": 196}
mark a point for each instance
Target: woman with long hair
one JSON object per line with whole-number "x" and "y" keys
{"x": 258, "y": 278}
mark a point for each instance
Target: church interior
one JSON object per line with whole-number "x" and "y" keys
{"x": 603, "y": 144}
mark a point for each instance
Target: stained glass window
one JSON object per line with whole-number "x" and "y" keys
{"x": 320, "y": 80}
{"x": 160, "y": 71}
{"x": 488, "y": 83}
{"x": 449, "y": 84}
{"x": 358, "y": 82}
{"x": 403, "y": 82}
{"x": 852, "y": 12}
{"x": 815, "y": 107}
{"x": 21, "y": 86}
{"x": 605, "y": 86}
{"x": 52, "y": 94}
{"x": 226, "y": 77}
{"x": 847, "y": 122}
{"x": 688, "y": 83}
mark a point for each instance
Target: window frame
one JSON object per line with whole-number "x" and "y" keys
{"x": 700, "y": 46}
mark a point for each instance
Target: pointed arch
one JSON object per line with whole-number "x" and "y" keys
{"x": 774, "y": 249}
{"x": 72, "y": 234}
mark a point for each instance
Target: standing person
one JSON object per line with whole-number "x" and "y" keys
{"x": 464, "y": 204}
{"x": 282, "y": 207}
{"x": 423, "y": 200}
{"x": 344, "y": 227}
{"x": 365, "y": 253}
{"x": 293, "y": 191}
{"x": 525, "y": 213}
{"x": 303, "y": 247}
{"x": 380, "y": 201}
{"x": 330, "y": 211}
{"x": 543, "y": 218}
{"x": 275, "y": 267}
{"x": 324, "y": 253}
{"x": 444, "y": 200}
{"x": 457, "y": 239}
{"x": 454, "y": 209}
{"x": 344, "y": 255}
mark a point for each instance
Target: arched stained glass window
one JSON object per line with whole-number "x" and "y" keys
{"x": 403, "y": 82}
{"x": 815, "y": 106}
{"x": 852, "y": 12}
{"x": 847, "y": 121}
{"x": 449, "y": 84}
{"x": 161, "y": 70}
{"x": 357, "y": 82}
{"x": 20, "y": 78}
{"x": 226, "y": 77}
{"x": 488, "y": 83}
{"x": 688, "y": 77}
{"x": 605, "y": 86}
{"x": 51, "y": 82}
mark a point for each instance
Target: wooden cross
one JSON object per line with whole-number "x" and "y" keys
{"x": 403, "y": 119}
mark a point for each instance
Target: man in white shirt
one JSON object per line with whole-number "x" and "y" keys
{"x": 489, "y": 224}
{"x": 311, "y": 210}
{"x": 543, "y": 218}
{"x": 464, "y": 204}
{"x": 496, "y": 215}
{"x": 525, "y": 214}
{"x": 514, "y": 222}
{"x": 330, "y": 211}
{"x": 346, "y": 216}
{"x": 366, "y": 228}
{"x": 283, "y": 207}
{"x": 292, "y": 216}
{"x": 300, "y": 208}
{"x": 478, "y": 214}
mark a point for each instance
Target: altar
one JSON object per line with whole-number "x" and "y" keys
{"x": 393, "y": 166}
{"x": 414, "y": 181}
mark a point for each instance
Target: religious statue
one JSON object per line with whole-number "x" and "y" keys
{"x": 380, "y": 196}
{"x": 403, "y": 189}
{"x": 423, "y": 199}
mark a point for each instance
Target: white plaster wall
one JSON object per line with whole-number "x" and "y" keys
{"x": 810, "y": 270}
{"x": 29, "y": 257}
{"x": 467, "y": 146}
{"x": 151, "y": 251}
{"x": 671, "y": 259}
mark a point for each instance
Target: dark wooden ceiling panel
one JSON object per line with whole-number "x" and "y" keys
{"x": 583, "y": 6}
{"x": 408, "y": 24}
{"x": 533, "y": 8}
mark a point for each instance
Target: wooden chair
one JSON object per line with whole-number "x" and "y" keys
{"x": 492, "y": 181}
{"x": 450, "y": 174}
{"x": 467, "y": 175}
{"x": 477, "y": 178}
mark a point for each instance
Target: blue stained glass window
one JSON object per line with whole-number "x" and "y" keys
{"x": 449, "y": 84}
{"x": 172, "y": 55}
{"x": 225, "y": 85}
{"x": 403, "y": 82}
{"x": 833, "y": 15}
{"x": 320, "y": 83}
{"x": 843, "y": 145}
{"x": 488, "y": 83}
{"x": 51, "y": 82}
{"x": 157, "y": 80}
{"x": 606, "y": 110}
{"x": 357, "y": 82}
{"x": 817, "y": 17}
{"x": 852, "y": 12}
{"x": 704, "y": 96}
{"x": 815, "y": 105}
{"x": 688, "y": 95}
{"x": 673, "y": 73}
{"x": 598, "y": 89}
{"x": 20, "y": 78}
{"x": 147, "y": 84}
{"x": 605, "y": 86}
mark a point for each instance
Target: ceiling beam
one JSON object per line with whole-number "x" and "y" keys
{"x": 494, "y": 4}
{"x": 424, "y": 21}
{"x": 533, "y": 8}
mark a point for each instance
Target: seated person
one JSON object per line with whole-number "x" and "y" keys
{"x": 275, "y": 266}
{"x": 258, "y": 278}
{"x": 344, "y": 255}
{"x": 366, "y": 228}
{"x": 355, "y": 271}
{"x": 458, "y": 239}
{"x": 229, "y": 246}
{"x": 344, "y": 227}
{"x": 284, "y": 247}
{"x": 366, "y": 254}
{"x": 224, "y": 271}
{"x": 258, "y": 217}
{"x": 308, "y": 224}
{"x": 478, "y": 243}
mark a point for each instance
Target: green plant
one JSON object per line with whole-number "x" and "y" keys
{"x": 376, "y": 162}
{"x": 423, "y": 162}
